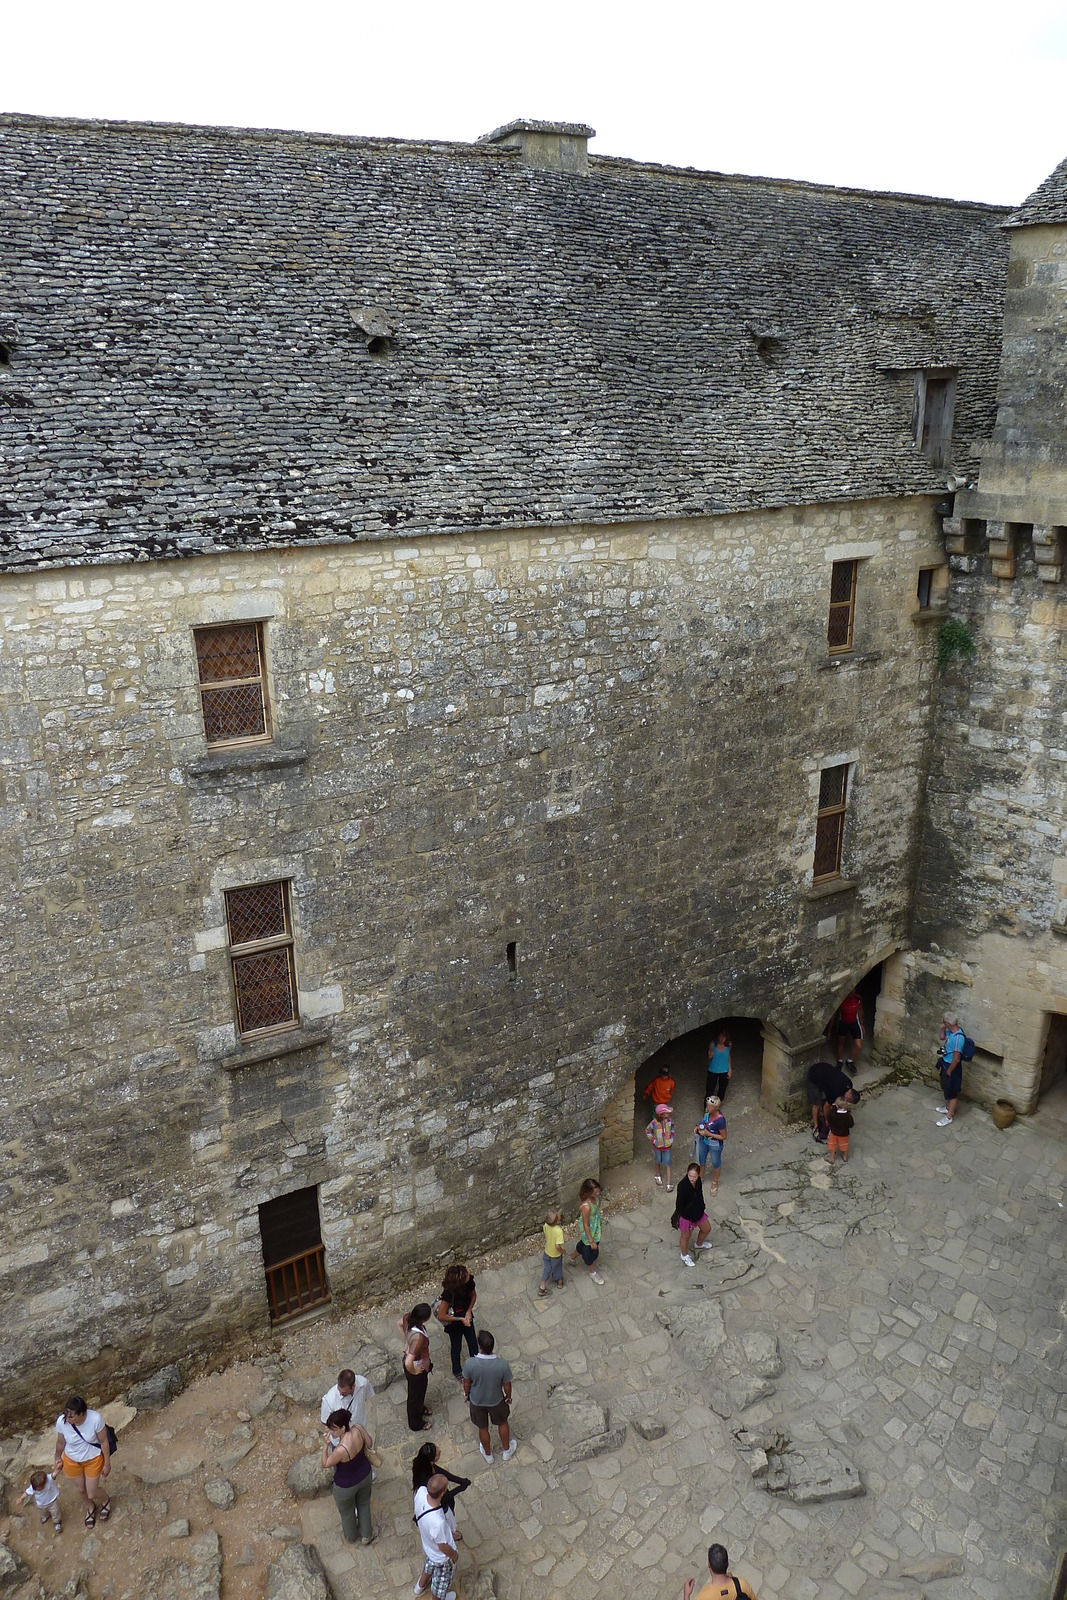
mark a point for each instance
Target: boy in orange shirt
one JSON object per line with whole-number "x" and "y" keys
{"x": 661, "y": 1088}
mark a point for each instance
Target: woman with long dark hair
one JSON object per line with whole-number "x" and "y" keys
{"x": 456, "y": 1313}
{"x": 417, "y": 1364}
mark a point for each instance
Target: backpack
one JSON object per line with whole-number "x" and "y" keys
{"x": 967, "y": 1053}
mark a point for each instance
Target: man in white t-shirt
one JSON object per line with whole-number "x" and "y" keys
{"x": 350, "y": 1393}
{"x": 438, "y": 1535}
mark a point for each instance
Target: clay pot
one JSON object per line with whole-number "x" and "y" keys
{"x": 1003, "y": 1113}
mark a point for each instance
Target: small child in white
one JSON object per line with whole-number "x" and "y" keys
{"x": 45, "y": 1497}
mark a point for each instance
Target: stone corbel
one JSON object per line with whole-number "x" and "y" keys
{"x": 1048, "y": 553}
{"x": 1002, "y": 548}
{"x": 962, "y": 536}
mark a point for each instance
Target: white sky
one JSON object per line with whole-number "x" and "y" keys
{"x": 951, "y": 97}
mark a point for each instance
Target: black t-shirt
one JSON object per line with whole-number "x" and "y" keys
{"x": 830, "y": 1079}
{"x": 458, "y": 1301}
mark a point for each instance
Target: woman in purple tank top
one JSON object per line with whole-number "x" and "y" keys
{"x": 345, "y": 1450}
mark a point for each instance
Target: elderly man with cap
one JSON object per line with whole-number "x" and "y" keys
{"x": 950, "y": 1063}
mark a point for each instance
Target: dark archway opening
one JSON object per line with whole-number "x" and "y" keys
{"x": 685, "y": 1059}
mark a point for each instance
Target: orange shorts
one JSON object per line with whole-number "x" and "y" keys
{"x": 91, "y": 1468}
{"x": 837, "y": 1141}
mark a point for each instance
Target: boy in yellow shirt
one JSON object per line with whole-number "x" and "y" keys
{"x": 553, "y": 1253}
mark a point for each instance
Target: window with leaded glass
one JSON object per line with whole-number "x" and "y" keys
{"x": 830, "y": 823}
{"x": 233, "y": 689}
{"x": 842, "y": 606}
{"x": 261, "y": 954}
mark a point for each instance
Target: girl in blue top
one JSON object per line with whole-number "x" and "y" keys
{"x": 720, "y": 1068}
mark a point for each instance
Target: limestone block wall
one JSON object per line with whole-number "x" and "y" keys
{"x": 991, "y": 914}
{"x": 602, "y": 746}
{"x": 1024, "y": 465}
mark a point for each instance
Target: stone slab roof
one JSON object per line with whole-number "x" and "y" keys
{"x": 1048, "y": 203}
{"x": 186, "y": 313}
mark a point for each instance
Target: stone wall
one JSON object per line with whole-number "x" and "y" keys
{"x": 991, "y": 911}
{"x": 601, "y": 745}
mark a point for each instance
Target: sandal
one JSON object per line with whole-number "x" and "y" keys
{"x": 542, "y": 1288}
{"x": 659, "y": 1180}
{"x": 90, "y": 1517}
{"x": 105, "y": 1510}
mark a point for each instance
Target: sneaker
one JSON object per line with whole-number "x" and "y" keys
{"x": 941, "y": 1111}
{"x": 705, "y": 1246}
{"x": 486, "y": 1455}
{"x": 451, "y": 1595}
{"x": 510, "y": 1451}
{"x": 44, "y": 1516}
{"x": 58, "y": 1527}
{"x": 687, "y": 1261}
{"x": 418, "y": 1589}
{"x": 943, "y": 1122}
{"x": 596, "y": 1277}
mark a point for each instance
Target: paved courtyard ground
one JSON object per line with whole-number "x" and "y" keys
{"x": 891, "y": 1333}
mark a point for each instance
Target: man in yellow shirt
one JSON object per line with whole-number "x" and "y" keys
{"x": 723, "y": 1584}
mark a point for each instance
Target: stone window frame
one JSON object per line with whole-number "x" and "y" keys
{"x": 242, "y": 950}
{"x": 210, "y": 687}
{"x": 830, "y": 819}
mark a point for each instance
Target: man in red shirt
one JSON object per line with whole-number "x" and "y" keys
{"x": 849, "y": 1029}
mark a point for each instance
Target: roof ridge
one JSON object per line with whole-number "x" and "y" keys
{"x": 481, "y": 149}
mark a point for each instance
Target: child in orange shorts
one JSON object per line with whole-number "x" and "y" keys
{"x": 841, "y": 1123}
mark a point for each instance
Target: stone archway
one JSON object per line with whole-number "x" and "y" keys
{"x": 683, "y": 1058}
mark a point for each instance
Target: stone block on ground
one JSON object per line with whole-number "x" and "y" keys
{"x": 698, "y": 1328}
{"x": 298, "y": 1574}
{"x": 13, "y": 1570}
{"x": 928, "y": 1569}
{"x": 482, "y": 1586}
{"x": 178, "y": 1529}
{"x": 760, "y": 1351}
{"x": 306, "y": 1478}
{"x": 305, "y": 1391}
{"x": 649, "y": 1427}
{"x": 158, "y": 1467}
{"x": 196, "y": 1576}
{"x": 156, "y": 1391}
{"x": 581, "y": 1425}
{"x": 813, "y": 1474}
{"x": 219, "y": 1492}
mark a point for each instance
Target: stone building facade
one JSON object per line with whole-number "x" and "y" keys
{"x": 990, "y": 928}
{"x": 574, "y": 530}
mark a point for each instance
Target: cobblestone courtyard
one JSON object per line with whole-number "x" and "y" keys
{"x": 890, "y": 1334}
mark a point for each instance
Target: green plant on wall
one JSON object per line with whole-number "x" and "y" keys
{"x": 954, "y": 638}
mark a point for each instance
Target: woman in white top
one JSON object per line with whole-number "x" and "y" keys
{"x": 82, "y": 1450}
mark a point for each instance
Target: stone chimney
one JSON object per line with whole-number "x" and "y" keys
{"x": 557, "y": 146}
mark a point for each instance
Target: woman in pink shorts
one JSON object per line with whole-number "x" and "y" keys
{"x": 690, "y": 1213}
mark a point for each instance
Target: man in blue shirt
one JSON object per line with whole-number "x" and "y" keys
{"x": 950, "y": 1062}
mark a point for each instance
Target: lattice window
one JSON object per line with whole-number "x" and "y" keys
{"x": 842, "y": 605}
{"x": 261, "y": 953}
{"x": 233, "y": 689}
{"x": 830, "y": 823}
